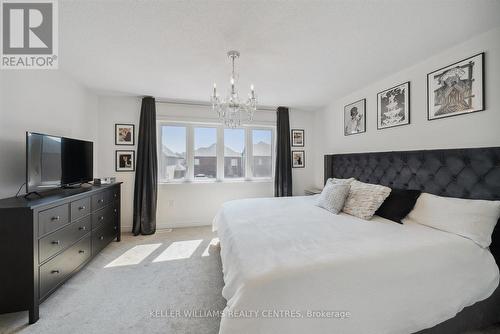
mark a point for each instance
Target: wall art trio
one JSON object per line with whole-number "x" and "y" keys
{"x": 453, "y": 90}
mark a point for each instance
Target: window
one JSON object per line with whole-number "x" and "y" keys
{"x": 262, "y": 153}
{"x": 172, "y": 157}
{"x": 193, "y": 152}
{"x": 205, "y": 153}
{"x": 234, "y": 153}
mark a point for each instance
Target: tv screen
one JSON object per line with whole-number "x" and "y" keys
{"x": 53, "y": 162}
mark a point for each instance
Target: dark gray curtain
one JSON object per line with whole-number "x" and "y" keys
{"x": 283, "y": 174}
{"x": 146, "y": 175}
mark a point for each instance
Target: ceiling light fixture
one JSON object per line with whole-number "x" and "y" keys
{"x": 231, "y": 110}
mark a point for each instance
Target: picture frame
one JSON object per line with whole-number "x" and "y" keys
{"x": 124, "y": 160}
{"x": 355, "y": 118}
{"x": 393, "y": 106}
{"x": 298, "y": 159}
{"x": 298, "y": 138}
{"x": 456, "y": 89}
{"x": 124, "y": 134}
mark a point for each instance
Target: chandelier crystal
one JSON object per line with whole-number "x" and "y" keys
{"x": 232, "y": 110}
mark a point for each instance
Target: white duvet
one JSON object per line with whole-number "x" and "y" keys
{"x": 285, "y": 257}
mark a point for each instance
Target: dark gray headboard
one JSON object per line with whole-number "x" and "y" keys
{"x": 472, "y": 173}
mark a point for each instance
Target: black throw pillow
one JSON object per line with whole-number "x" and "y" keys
{"x": 398, "y": 204}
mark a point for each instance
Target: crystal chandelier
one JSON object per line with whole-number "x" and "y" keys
{"x": 231, "y": 110}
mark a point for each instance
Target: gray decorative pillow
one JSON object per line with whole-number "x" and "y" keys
{"x": 364, "y": 199}
{"x": 333, "y": 196}
{"x": 340, "y": 181}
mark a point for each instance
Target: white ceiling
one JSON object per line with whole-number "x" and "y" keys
{"x": 297, "y": 53}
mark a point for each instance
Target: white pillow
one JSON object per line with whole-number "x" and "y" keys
{"x": 333, "y": 196}
{"x": 470, "y": 218}
{"x": 340, "y": 181}
{"x": 364, "y": 199}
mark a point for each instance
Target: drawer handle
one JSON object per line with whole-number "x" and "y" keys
{"x": 82, "y": 228}
{"x": 115, "y": 228}
{"x": 56, "y": 218}
{"x": 83, "y": 207}
{"x": 55, "y": 272}
{"x": 56, "y": 242}
{"x": 101, "y": 218}
{"x": 81, "y": 251}
{"x": 100, "y": 200}
{"x": 116, "y": 210}
{"x": 101, "y": 237}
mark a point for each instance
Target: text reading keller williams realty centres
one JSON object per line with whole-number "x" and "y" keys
{"x": 246, "y": 314}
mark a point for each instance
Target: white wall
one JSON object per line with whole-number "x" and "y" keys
{"x": 304, "y": 177}
{"x": 187, "y": 204}
{"x": 479, "y": 129}
{"x": 112, "y": 110}
{"x": 41, "y": 101}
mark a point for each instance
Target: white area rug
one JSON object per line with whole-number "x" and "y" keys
{"x": 133, "y": 285}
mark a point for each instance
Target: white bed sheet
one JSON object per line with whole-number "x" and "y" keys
{"x": 290, "y": 256}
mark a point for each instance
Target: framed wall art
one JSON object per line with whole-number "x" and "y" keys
{"x": 355, "y": 118}
{"x": 125, "y": 134}
{"x": 125, "y": 161}
{"x": 393, "y": 106}
{"x": 456, "y": 89}
{"x": 298, "y": 159}
{"x": 298, "y": 138}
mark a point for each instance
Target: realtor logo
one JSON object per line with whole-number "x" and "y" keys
{"x": 29, "y": 34}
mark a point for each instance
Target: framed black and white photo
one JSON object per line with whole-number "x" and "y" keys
{"x": 298, "y": 138}
{"x": 125, "y": 161}
{"x": 355, "y": 118}
{"x": 124, "y": 134}
{"x": 393, "y": 106}
{"x": 456, "y": 89}
{"x": 298, "y": 159}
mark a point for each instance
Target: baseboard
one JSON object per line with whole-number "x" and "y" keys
{"x": 179, "y": 224}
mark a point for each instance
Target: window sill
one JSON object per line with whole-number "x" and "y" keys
{"x": 263, "y": 180}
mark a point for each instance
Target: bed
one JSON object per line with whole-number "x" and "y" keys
{"x": 290, "y": 266}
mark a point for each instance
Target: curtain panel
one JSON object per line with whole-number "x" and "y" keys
{"x": 146, "y": 175}
{"x": 283, "y": 174}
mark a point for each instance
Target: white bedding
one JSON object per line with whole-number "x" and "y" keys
{"x": 288, "y": 255}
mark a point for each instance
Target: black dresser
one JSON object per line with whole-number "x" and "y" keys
{"x": 45, "y": 241}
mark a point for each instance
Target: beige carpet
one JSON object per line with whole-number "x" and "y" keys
{"x": 130, "y": 285}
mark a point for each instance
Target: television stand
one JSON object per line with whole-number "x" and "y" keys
{"x": 72, "y": 186}
{"x": 27, "y": 196}
{"x": 76, "y": 186}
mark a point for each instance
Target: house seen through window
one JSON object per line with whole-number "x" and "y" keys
{"x": 190, "y": 152}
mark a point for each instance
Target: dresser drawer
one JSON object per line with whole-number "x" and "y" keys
{"x": 56, "y": 270}
{"x": 115, "y": 193}
{"x": 100, "y": 200}
{"x": 80, "y": 208}
{"x": 52, "y": 219}
{"x": 102, "y": 217}
{"x": 63, "y": 238}
{"x": 102, "y": 237}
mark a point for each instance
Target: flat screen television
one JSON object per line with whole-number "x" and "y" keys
{"x": 53, "y": 162}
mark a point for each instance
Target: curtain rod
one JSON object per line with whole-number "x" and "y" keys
{"x": 206, "y": 104}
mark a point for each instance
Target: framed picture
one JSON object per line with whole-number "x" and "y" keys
{"x": 393, "y": 106}
{"x": 298, "y": 138}
{"x": 355, "y": 118}
{"x": 456, "y": 89}
{"x": 125, "y": 161}
{"x": 125, "y": 134}
{"x": 298, "y": 159}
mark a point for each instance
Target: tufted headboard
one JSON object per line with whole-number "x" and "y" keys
{"x": 472, "y": 173}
